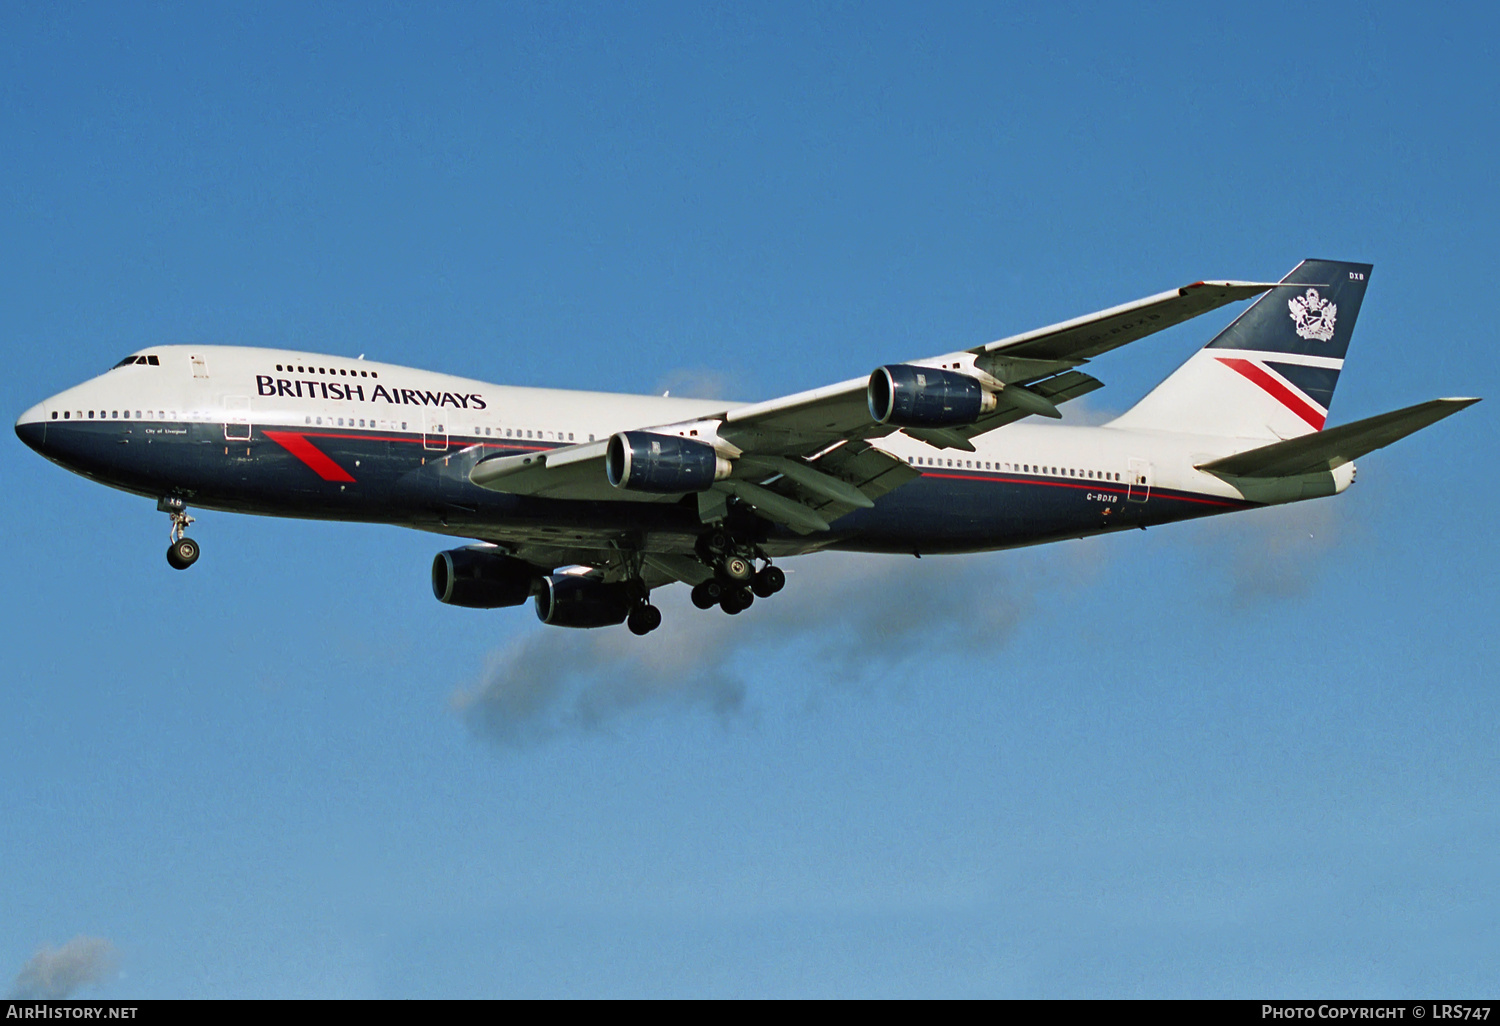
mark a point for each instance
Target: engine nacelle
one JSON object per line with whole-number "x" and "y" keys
{"x": 645, "y": 462}
{"x": 481, "y": 578}
{"x": 926, "y": 397}
{"x": 565, "y": 601}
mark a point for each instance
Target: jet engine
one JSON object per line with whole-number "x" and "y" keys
{"x": 565, "y": 601}
{"x": 926, "y": 397}
{"x": 645, "y": 462}
{"x": 479, "y": 577}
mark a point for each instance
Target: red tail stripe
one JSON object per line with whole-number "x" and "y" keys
{"x": 310, "y": 454}
{"x": 1278, "y": 391}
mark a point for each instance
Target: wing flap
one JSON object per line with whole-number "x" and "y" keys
{"x": 1325, "y": 450}
{"x": 871, "y": 471}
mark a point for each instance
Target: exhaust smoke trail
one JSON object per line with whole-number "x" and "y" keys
{"x": 1278, "y": 552}
{"x": 851, "y": 616}
{"x": 56, "y": 973}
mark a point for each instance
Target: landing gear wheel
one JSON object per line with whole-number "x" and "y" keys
{"x": 768, "y": 582}
{"x": 708, "y": 594}
{"x": 737, "y": 569}
{"x": 643, "y": 619}
{"x": 182, "y": 553}
{"x": 736, "y": 600}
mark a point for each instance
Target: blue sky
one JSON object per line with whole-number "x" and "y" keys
{"x": 1247, "y": 757}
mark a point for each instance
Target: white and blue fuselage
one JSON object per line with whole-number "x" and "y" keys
{"x": 273, "y": 432}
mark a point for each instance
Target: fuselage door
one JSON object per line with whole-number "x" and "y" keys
{"x": 1138, "y": 477}
{"x": 236, "y": 418}
{"x": 200, "y": 369}
{"x": 434, "y": 430}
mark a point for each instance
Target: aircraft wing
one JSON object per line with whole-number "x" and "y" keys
{"x": 841, "y": 411}
{"x": 1094, "y": 334}
{"x": 806, "y": 459}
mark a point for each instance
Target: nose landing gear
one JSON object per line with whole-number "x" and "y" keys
{"x": 183, "y": 552}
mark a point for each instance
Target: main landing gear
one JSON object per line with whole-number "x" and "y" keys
{"x": 643, "y": 619}
{"x": 183, "y": 552}
{"x": 736, "y": 583}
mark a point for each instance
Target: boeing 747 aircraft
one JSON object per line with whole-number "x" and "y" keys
{"x": 588, "y": 501}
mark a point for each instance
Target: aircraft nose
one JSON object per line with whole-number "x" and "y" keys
{"x": 31, "y": 427}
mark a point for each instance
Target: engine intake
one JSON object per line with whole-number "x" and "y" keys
{"x": 645, "y": 462}
{"x": 478, "y": 577}
{"x": 565, "y": 601}
{"x": 908, "y": 396}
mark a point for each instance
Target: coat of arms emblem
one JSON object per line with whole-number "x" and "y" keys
{"x": 1313, "y": 316}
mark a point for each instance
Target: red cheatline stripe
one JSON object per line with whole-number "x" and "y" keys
{"x": 1092, "y": 486}
{"x": 310, "y": 454}
{"x": 1278, "y": 391}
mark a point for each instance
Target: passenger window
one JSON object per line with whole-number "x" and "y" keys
{"x": 91, "y": 415}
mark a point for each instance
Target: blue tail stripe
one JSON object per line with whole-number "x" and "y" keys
{"x": 1314, "y": 321}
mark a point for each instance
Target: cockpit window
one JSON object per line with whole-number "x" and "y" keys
{"x": 128, "y": 359}
{"x": 153, "y": 361}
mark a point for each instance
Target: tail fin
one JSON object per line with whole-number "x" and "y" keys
{"x": 1271, "y": 373}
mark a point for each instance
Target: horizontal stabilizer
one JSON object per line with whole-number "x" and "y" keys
{"x": 1333, "y": 447}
